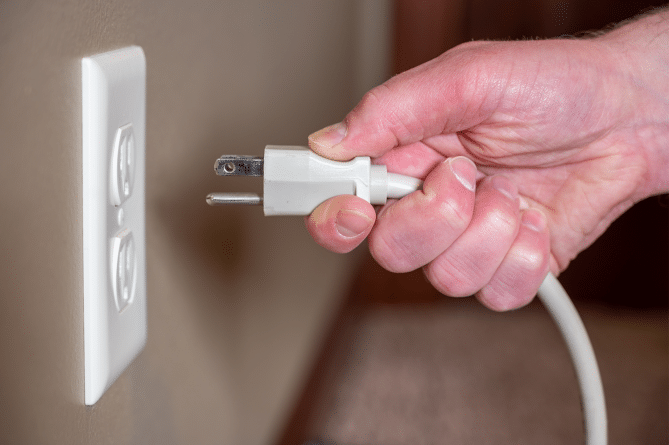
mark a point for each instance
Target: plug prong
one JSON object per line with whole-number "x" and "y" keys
{"x": 221, "y": 199}
{"x": 233, "y": 165}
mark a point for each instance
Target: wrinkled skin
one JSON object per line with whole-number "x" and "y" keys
{"x": 564, "y": 135}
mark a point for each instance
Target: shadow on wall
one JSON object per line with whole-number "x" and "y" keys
{"x": 215, "y": 237}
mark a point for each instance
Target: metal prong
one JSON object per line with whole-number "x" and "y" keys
{"x": 221, "y": 199}
{"x": 232, "y": 165}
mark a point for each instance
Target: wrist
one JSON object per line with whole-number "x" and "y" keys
{"x": 639, "y": 49}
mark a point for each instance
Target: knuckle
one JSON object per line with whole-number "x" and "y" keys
{"x": 502, "y": 222}
{"x": 450, "y": 280}
{"x": 497, "y": 299}
{"x": 528, "y": 259}
{"x": 508, "y": 292}
{"x": 455, "y": 212}
{"x": 391, "y": 117}
{"x": 369, "y": 102}
{"x": 389, "y": 253}
{"x": 504, "y": 218}
{"x": 375, "y": 103}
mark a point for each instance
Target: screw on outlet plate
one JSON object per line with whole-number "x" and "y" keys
{"x": 122, "y": 165}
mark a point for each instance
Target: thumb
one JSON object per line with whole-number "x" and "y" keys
{"x": 370, "y": 129}
{"x": 434, "y": 98}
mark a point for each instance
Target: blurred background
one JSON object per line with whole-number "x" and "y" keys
{"x": 256, "y": 334}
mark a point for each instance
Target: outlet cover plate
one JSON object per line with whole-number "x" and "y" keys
{"x": 114, "y": 221}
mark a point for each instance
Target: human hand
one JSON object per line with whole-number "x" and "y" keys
{"x": 564, "y": 135}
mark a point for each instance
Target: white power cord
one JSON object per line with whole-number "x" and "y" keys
{"x": 296, "y": 180}
{"x": 559, "y": 305}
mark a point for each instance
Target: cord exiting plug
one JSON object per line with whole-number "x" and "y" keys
{"x": 296, "y": 180}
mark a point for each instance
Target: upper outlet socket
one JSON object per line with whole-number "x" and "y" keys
{"x": 122, "y": 172}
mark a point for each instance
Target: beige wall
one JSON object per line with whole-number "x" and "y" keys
{"x": 237, "y": 302}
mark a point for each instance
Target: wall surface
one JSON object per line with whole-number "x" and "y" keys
{"x": 236, "y": 302}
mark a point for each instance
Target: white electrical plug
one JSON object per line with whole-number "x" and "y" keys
{"x": 296, "y": 180}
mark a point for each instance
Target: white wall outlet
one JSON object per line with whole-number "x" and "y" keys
{"x": 113, "y": 158}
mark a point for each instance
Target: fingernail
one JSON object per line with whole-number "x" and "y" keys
{"x": 351, "y": 223}
{"x": 505, "y": 187}
{"x": 534, "y": 219}
{"x": 328, "y": 137}
{"x": 465, "y": 170}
